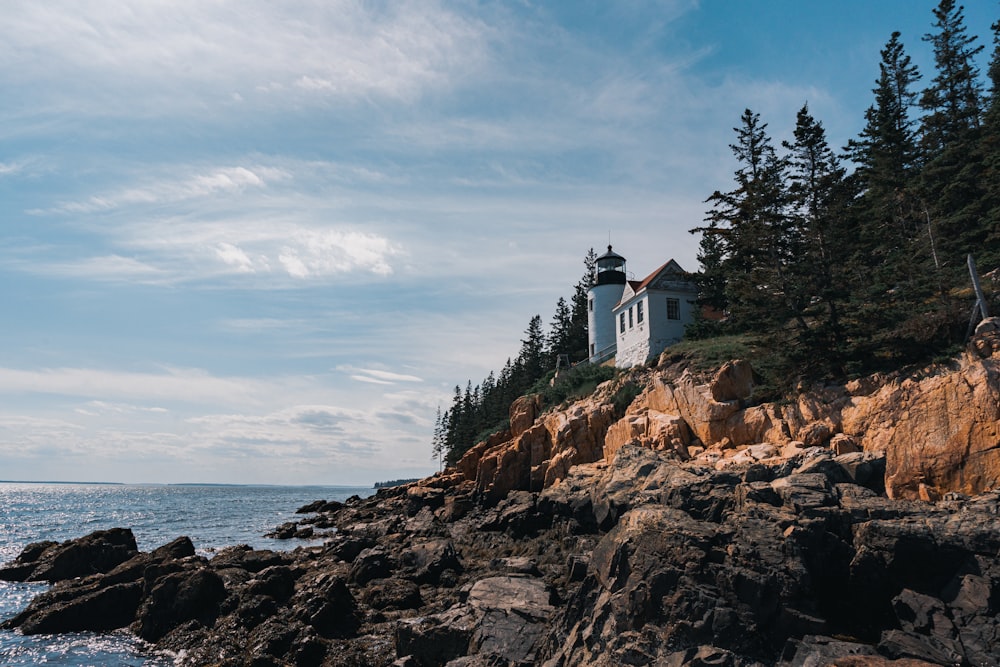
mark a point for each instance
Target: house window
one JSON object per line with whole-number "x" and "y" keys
{"x": 621, "y": 322}
{"x": 673, "y": 309}
{"x": 590, "y": 305}
{"x": 638, "y": 312}
{"x": 630, "y": 317}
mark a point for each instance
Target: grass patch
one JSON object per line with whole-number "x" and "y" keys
{"x": 579, "y": 381}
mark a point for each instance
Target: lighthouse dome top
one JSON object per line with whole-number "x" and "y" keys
{"x": 610, "y": 269}
{"x": 610, "y": 257}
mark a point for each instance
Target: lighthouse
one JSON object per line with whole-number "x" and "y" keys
{"x": 602, "y": 297}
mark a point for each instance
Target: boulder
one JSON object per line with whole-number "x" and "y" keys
{"x": 732, "y": 382}
{"x": 98, "y": 552}
{"x": 192, "y": 595}
{"x": 435, "y": 639}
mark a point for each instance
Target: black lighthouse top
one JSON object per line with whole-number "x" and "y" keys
{"x": 610, "y": 268}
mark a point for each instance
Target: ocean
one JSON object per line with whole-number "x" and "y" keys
{"x": 212, "y": 516}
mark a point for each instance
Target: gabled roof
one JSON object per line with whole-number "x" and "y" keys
{"x": 670, "y": 268}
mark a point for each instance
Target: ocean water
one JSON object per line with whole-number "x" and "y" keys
{"x": 212, "y": 516}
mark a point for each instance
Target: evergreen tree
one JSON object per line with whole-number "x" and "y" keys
{"x": 886, "y": 152}
{"x": 756, "y": 239}
{"x": 578, "y": 337}
{"x": 438, "y": 442}
{"x": 988, "y": 254}
{"x": 817, "y": 197}
{"x": 532, "y": 355}
{"x": 953, "y": 101}
{"x": 951, "y": 178}
{"x": 557, "y": 341}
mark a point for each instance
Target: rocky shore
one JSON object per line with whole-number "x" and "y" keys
{"x": 858, "y": 525}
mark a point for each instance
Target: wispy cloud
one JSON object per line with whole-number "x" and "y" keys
{"x": 177, "y": 385}
{"x": 225, "y": 180}
{"x": 377, "y": 376}
{"x": 191, "y": 51}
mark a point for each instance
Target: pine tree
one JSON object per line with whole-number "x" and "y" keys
{"x": 886, "y": 152}
{"x": 756, "y": 239}
{"x": 578, "y": 337}
{"x": 951, "y": 178}
{"x": 953, "y": 101}
{"x": 438, "y": 442}
{"x": 557, "y": 341}
{"x": 532, "y": 355}
{"x": 817, "y": 197}
{"x": 988, "y": 254}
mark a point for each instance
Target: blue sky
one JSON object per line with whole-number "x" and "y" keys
{"x": 261, "y": 241}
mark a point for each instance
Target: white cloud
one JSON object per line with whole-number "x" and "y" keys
{"x": 177, "y": 385}
{"x": 108, "y": 267}
{"x": 377, "y": 376}
{"x": 370, "y": 380}
{"x": 234, "y": 257}
{"x": 9, "y": 168}
{"x": 174, "y": 50}
{"x": 221, "y": 180}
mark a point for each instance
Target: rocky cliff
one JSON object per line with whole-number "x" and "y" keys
{"x": 938, "y": 426}
{"x": 856, "y": 525}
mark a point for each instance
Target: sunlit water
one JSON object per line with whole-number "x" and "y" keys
{"x": 212, "y": 516}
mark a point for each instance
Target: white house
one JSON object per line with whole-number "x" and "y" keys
{"x": 647, "y": 316}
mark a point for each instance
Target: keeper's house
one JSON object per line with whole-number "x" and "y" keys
{"x": 635, "y": 320}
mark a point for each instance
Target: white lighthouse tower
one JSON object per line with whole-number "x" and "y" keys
{"x": 601, "y": 299}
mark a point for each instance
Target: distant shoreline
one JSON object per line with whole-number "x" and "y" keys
{"x": 69, "y": 483}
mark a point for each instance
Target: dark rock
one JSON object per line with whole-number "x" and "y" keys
{"x": 326, "y": 604}
{"x": 814, "y": 651}
{"x": 424, "y": 496}
{"x": 245, "y": 558}
{"x": 425, "y": 562}
{"x": 98, "y": 552}
{"x": 318, "y": 506}
{"x": 277, "y": 581}
{"x": 21, "y": 567}
{"x": 436, "y": 639}
{"x": 347, "y": 547}
{"x": 374, "y": 563}
{"x": 92, "y": 608}
{"x": 285, "y": 531}
{"x": 513, "y": 613}
{"x": 864, "y": 469}
{"x": 182, "y": 547}
{"x": 900, "y": 644}
{"x": 177, "y": 598}
{"x": 392, "y": 593}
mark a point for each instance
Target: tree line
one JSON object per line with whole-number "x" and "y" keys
{"x": 482, "y": 409}
{"x": 840, "y": 271}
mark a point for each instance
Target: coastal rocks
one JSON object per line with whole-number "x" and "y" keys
{"x": 944, "y": 431}
{"x": 98, "y": 601}
{"x": 177, "y": 598}
{"x": 939, "y": 428}
{"x": 644, "y": 559}
{"x": 98, "y": 552}
{"x": 538, "y": 454}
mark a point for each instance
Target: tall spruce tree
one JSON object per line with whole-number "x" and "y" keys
{"x": 558, "y": 339}
{"x": 951, "y": 178}
{"x": 988, "y": 254}
{"x": 886, "y": 152}
{"x": 817, "y": 197}
{"x": 532, "y": 356}
{"x": 577, "y": 338}
{"x": 756, "y": 240}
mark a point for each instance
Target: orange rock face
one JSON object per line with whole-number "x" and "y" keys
{"x": 939, "y": 429}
